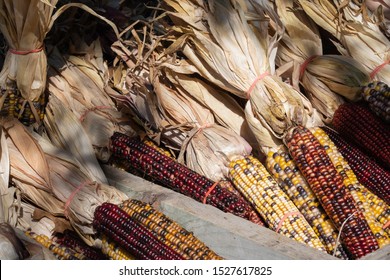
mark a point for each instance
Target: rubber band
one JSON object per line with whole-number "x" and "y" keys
{"x": 82, "y": 117}
{"x": 385, "y": 226}
{"x": 70, "y": 198}
{"x": 285, "y": 217}
{"x": 303, "y": 67}
{"x": 253, "y": 85}
{"x": 378, "y": 68}
{"x": 209, "y": 191}
{"x": 18, "y": 52}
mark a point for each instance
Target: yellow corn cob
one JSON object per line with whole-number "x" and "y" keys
{"x": 255, "y": 183}
{"x": 60, "y": 252}
{"x": 113, "y": 251}
{"x": 168, "y": 231}
{"x": 290, "y": 179}
{"x": 374, "y": 209}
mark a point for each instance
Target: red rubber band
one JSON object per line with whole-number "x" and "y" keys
{"x": 252, "y": 87}
{"x": 70, "y": 198}
{"x": 303, "y": 67}
{"x": 18, "y": 52}
{"x": 209, "y": 191}
{"x": 82, "y": 117}
{"x": 378, "y": 68}
{"x": 285, "y": 217}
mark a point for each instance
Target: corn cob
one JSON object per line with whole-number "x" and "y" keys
{"x": 132, "y": 154}
{"x": 291, "y": 180}
{"x": 168, "y": 231}
{"x": 72, "y": 241}
{"x": 278, "y": 211}
{"x": 117, "y": 225}
{"x": 16, "y": 106}
{"x": 113, "y": 251}
{"x": 328, "y": 186}
{"x": 159, "y": 149}
{"x": 374, "y": 209}
{"x": 61, "y": 252}
{"x": 359, "y": 125}
{"x": 377, "y": 95}
{"x": 369, "y": 172}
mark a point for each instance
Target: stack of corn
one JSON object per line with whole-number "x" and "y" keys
{"x": 374, "y": 209}
{"x": 328, "y": 186}
{"x": 290, "y": 179}
{"x": 131, "y": 153}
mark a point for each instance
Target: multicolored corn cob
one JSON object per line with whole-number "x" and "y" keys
{"x": 73, "y": 241}
{"x": 13, "y": 104}
{"x": 168, "y": 231}
{"x": 113, "y": 251}
{"x": 290, "y": 179}
{"x": 359, "y": 125}
{"x": 61, "y": 252}
{"x": 133, "y": 155}
{"x": 369, "y": 173}
{"x": 328, "y": 186}
{"x": 280, "y": 214}
{"x": 133, "y": 237}
{"x": 374, "y": 209}
{"x": 377, "y": 95}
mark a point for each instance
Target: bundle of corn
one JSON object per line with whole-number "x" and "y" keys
{"x": 132, "y": 153}
{"x": 377, "y": 95}
{"x": 374, "y": 209}
{"x": 369, "y": 133}
{"x": 23, "y": 76}
{"x": 381, "y": 11}
{"x": 168, "y": 231}
{"x": 291, "y": 180}
{"x": 327, "y": 184}
{"x": 367, "y": 170}
{"x": 91, "y": 207}
{"x": 300, "y": 59}
{"x": 356, "y": 37}
{"x": 210, "y": 43}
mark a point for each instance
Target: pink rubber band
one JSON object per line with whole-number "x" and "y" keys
{"x": 209, "y": 191}
{"x": 385, "y": 226}
{"x": 82, "y": 117}
{"x": 303, "y": 67}
{"x": 70, "y": 198}
{"x": 285, "y": 217}
{"x": 378, "y": 68}
{"x": 18, "y": 52}
{"x": 252, "y": 87}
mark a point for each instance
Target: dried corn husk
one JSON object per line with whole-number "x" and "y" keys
{"x": 90, "y": 100}
{"x": 237, "y": 57}
{"x": 68, "y": 182}
{"x": 66, "y": 132}
{"x": 362, "y": 40}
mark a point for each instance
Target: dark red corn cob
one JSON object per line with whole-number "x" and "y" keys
{"x": 115, "y": 223}
{"x": 73, "y": 241}
{"x": 369, "y": 173}
{"x": 131, "y": 154}
{"x": 328, "y": 186}
{"x": 359, "y": 125}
